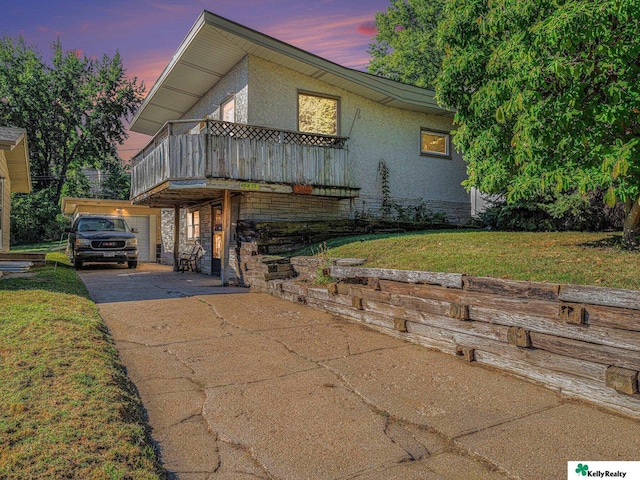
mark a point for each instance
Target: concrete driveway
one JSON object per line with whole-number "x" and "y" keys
{"x": 241, "y": 385}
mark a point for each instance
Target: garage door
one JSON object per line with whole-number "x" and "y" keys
{"x": 142, "y": 224}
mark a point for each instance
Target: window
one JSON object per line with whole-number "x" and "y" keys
{"x": 317, "y": 114}
{"x": 193, "y": 225}
{"x": 434, "y": 143}
{"x": 228, "y": 110}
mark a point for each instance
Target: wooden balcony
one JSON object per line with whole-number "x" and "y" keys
{"x": 189, "y": 160}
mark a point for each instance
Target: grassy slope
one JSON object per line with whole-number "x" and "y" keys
{"x": 67, "y": 409}
{"x": 567, "y": 257}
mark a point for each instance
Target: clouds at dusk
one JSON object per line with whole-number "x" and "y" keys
{"x": 148, "y": 32}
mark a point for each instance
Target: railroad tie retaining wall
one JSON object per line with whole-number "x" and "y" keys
{"x": 582, "y": 341}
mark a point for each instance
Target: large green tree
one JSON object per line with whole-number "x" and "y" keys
{"x": 73, "y": 108}
{"x": 405, "y": 48}
{"x": 547, "y": 92}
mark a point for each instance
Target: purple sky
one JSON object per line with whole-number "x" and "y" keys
{"x": 148, "y": 32}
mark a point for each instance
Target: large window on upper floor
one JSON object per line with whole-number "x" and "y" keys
{"x": 318, "y": 113}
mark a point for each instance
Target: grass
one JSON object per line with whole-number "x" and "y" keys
{"x": 563, "y": 257}
{"x": 67, "y": 408}
{"x": 40, "y": 247}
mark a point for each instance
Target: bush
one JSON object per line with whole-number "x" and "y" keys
{"x": 555, "y": 212}
{"x": 35, "y": 219}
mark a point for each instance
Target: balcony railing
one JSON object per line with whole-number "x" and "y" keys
{"x": 195, "y": 149}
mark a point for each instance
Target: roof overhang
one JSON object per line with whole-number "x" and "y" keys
{"x": 14, "y": 143}
{"x": 214, "y": 45}
{"x": 73, "y": 205}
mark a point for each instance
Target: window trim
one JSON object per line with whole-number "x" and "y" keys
{"x": 430, "y": 153}
{"x": 228, "y": 99}
{"x": 193, "y": 227}
{"x": 319, "y": 95}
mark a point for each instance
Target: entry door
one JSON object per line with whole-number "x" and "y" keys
{"x": 216, "y": 241}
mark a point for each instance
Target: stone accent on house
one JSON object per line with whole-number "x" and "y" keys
{"x": 516, "y": 326}
{"x": 267, "y": 207}
{"x": 166, "y": 228}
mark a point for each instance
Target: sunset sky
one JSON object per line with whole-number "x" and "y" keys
{"x": 148, "y": 32}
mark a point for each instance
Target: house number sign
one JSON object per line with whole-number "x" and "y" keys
{"x": 249, "y": 186}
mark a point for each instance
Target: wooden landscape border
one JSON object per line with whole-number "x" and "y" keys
{"x": 581, "y": 341}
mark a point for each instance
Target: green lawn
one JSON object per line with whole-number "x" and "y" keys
{"x": 565, "y": 257}
{"x": 67, "y": 408}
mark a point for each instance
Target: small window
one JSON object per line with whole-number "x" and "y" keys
{"x": 228, "y": 110}
{"x": 317, "y": 114}
{"x": 193, "y": 225}
{"x": 434, "y": 143}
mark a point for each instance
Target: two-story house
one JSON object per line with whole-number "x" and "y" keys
{"x": 249, "y": 128}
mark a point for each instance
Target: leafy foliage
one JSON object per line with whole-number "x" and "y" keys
{"x": 547, "y": 95}
{"x": 405, "y": 47}
{"x": 554, "y": 212}
{"x": 72, "y": 107}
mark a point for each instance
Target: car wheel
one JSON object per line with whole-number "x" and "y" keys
{"x": 133, "y": 264}
{"x": 77, "y": 264}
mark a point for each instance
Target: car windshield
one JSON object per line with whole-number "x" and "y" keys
{"x": 102, "y": 225}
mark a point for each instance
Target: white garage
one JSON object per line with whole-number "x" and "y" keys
{"x": 146, "y": 220}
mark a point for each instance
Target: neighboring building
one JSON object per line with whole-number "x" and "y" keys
{"x": 248, "y": 128}
{"x": 143, "y": 218}
{"x": 14, "y": 176}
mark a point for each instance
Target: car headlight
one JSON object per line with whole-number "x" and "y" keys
{"x": 82, "y": 242}
{"x": 132, "y": 242}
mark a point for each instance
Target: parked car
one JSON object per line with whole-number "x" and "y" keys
{"x": 102, "y": 238}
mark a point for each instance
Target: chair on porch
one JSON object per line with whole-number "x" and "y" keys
{"x": 190, "y": 260}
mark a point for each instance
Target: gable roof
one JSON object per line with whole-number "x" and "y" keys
{"x": 214, "y": 45}
{"x": 14, "y": 143}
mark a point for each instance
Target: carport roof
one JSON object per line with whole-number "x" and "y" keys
{"x": 214, "y": 45}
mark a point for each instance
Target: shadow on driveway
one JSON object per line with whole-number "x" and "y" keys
{"x": 150, "y": 281}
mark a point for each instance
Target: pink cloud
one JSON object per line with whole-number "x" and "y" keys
{"x": 336, "y": 38}
{"x": 368, "y": 29}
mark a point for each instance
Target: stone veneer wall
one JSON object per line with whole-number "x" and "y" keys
{"x": 581, "y": 341}
{"x": 283, "y": 207}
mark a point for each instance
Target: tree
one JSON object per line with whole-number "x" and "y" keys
{"x": 405, "y": 47}
{"x": 547, "y": 93}
{"x": 73, "y": 109}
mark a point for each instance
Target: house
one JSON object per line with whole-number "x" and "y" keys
{"x": 247, "y": 128}
{"x": 146, "y": 220}
{"x": 14, "y": 175}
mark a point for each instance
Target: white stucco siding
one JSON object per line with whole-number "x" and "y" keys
{"x": 236, "y": 82}
{"x": 379, "y": 133}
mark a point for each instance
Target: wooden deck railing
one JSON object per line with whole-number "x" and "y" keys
{"x": 240, "y": 152}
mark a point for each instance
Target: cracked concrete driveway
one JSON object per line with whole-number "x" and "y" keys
{"x": 242, "y": 385}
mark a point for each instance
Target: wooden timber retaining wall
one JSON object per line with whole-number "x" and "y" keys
{"x": 581, "y": 341}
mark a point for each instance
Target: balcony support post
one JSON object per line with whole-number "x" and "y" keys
{"x": 176, "y": 237}
{"x": 226, "y": 237}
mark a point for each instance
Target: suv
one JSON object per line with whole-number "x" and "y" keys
{"x": 102, "y": 238}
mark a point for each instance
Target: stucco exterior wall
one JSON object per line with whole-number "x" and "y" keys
{"x": 236, "y": 82}
{"x": 5, "y": 204}
{"x": 376, "y": 133}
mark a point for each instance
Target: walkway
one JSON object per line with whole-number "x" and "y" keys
{"x": 241, "y": 385}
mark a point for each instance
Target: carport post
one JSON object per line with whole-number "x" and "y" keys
{"x": 176, "y": 237}
{"x": 226, "y": 237}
